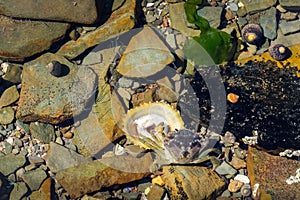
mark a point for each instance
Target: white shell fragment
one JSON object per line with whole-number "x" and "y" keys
{"x": 147, "y": 125}
{"x": 242, "y": 178}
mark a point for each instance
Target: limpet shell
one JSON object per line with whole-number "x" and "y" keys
{"x": 140, "y": 123}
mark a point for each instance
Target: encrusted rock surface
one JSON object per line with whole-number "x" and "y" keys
{"x": 192, "y": 182}
{"x": 106, "y": 172}
{"x": 271, "y": 173}
{"x": 51, "y": 99}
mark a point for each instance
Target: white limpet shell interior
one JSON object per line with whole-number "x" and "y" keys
{"x": 141, "y": 124}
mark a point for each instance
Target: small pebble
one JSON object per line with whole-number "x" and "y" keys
{"x": 242, "y": 178}
{"x": 234, "y": 185}
{"x": 233, "y": 7}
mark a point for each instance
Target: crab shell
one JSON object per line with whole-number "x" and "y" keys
{"x": 148, "y": 124}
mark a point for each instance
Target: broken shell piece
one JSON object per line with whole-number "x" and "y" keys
{"x": 233, "y": 98}
{"x": 242, "y": 178}
{"x": 234, "y": 185}
{"x": 246, "y": 190}
{"x": 148, "y": 124}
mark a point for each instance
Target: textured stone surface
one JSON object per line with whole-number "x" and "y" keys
{"x": 89, "y": 177}
{"x": 59, "y": 157}
{"x": 177, "y": 17}
{"x": 268, "y": 23}
{"x": 7, "y": 115}
{"x": 34, "y": 178}
{"x": 24, "y": 38}
{"x": 192, "y": 182}
{"x": 271, "y": 173}
{"x": 51, "y": 99}
{"x": 119, "y": 21}
{"x": 42, "y": 132}
{"x": 257, "y": 5}
{"x": 79, "y": 11}
{"x": 10, "y": 163}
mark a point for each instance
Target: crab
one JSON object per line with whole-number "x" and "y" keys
{"x": 160, "y": 128}
{"x": 186, "y": 147}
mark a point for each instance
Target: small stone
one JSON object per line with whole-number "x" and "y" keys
{"x": 68, "y": 135}
{"x": 13, "y": 73}
{"x": 7, "y": 115}
{"x": 19, "y": 190}
{"x": 59, "y": 141}
{"x": 212, "y": 14}
{"x": 254, "y": 6}
{"x": 170, "y": 38}
{"x": 237, "y": 163}
{"x": 10, "y": 163}
{"x": 43, "y": 132}
{"x": 233, "y": 7}
{"x": 281, "y": 9}
{"x": 34, "y": 178}
{"x": 225, "y": 169}
{"x": 234, "y": 185}
{"x": 288, "y": 16}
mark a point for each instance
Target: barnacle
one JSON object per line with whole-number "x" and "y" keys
{"x": 252, "y": 33}
{"x": 279, "y": 52}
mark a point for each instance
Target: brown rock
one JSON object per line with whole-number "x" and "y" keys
{"x": 106, "y": 172}
{"x": 147, "y": 96}
{"x": 120, "y": 21}
{"x": 51, "y": 99}
{"x": 79, "y": 11}
{"x": 237, "y": 163}
{"x": 23, "y": 38}
{"x": 271, "y": 173}
{"x": 192, "y": 182}
{"x": 234, "y": 185}
{"x": 45, "y": 192}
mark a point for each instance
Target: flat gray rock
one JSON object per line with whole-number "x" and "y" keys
{"x": 10, "y": 163}
{"x": 51, "y": 99}
{"x": 34, "y": 178}
{"x": 24, "y": 38}
{"x": 212, "y": 14}
{"x": 268, "y": 23}
{"x": 254, "y": 6}
{"x": 288, "y": 27}
{"x": 77, "y": 11}
{"x": 59, "y": 158}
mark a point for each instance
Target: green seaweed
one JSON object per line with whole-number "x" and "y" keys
{"x": 218, "y": 44}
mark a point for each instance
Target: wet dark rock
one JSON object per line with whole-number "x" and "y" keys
{"x": 25, "y": 38}
{"x": 78, "y": 11}
{"x": 42, "y": 132}
{"x": 269, "y": 102}
{"x": 51, "y": 99}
